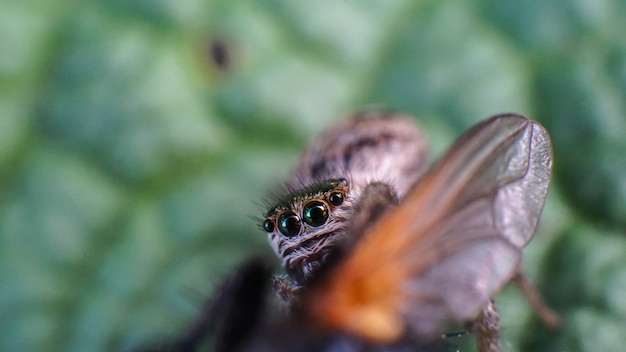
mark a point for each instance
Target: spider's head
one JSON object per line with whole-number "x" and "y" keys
{"x": 304, "y": 225}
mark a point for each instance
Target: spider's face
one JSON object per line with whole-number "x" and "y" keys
{"x": 303, "y": 227}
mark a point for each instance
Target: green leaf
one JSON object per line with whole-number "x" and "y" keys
{"x": 134, "y": 154}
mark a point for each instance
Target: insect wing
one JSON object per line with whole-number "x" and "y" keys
{"x": 451, "y": 244}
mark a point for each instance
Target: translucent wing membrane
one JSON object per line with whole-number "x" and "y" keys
{"x": 451, "y": 244}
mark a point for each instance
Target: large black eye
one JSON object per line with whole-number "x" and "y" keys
{"x": 315, "y": 213}
{"x": 268, "y": 225}
{"x": 336, "y": 198}
{"x": 289, "y": 224}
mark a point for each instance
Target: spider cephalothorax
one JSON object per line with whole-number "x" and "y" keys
{"x": 306, "y": 226}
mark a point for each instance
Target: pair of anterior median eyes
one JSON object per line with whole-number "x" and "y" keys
{"x": 315, "y": 213}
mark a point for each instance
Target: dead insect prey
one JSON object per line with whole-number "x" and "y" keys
{"x": 381, "y": 245}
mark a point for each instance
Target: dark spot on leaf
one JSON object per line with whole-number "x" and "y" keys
{"x": 220, "y": 54}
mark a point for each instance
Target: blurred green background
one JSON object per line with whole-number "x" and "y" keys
{"x": 137, "y": 138}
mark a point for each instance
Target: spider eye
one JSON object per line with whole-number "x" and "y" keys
{"x": 315, "y": 213}
{"x": 336, "y": 198}
{"x": 289, "y": 224}
{"x": 268, "y": 226}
